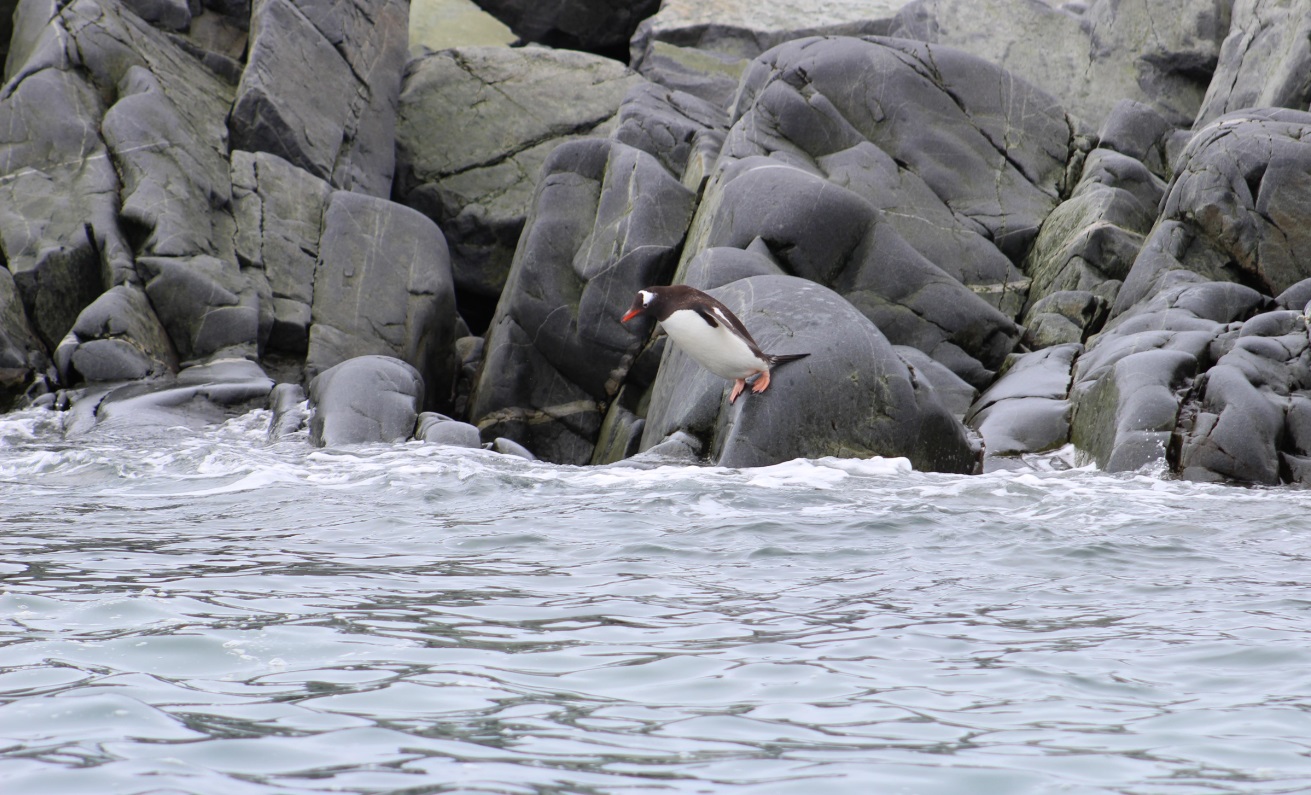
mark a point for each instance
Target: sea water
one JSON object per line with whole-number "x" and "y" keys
{"x": 200, "y": 611}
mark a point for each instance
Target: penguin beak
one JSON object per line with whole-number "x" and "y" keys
{"x": 632, "y": 313}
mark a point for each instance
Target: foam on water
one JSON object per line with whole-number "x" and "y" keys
{"x": 201, "y": 611}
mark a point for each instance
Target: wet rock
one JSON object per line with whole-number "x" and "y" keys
{"x": 117, "y": 338}
{"x": 602, "y": 26}
{"x": 475, "y": 126}
{"x": 1237, "y": 209}
{"x": 21, "y": 354}
{"x": 1251, "y": 407}
{"x": 383, "y": 286}
{"x": 1264, "y": 60}
{"x": 435, "y": 428}
{"x": 506, "y": 446}
{"x": 1027, "y": 410}
{"x": 290, "y": 411}
{"x": 365, "y": 399}
{"x": 1115, "y": 49}
{"x": 607, "y": 220}
{"x": 279, "y": 211}
{"x": 345, "y": 135}
{"x": 852, "y": 397}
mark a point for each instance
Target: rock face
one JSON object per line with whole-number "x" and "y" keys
{"x": 476, "y": 124}
{"x": 851, "y": 397}
{"x": 1264, "y": 61}
{"x": 607, "y": 220}
{"x": 602, "y": 26}
{"x": 365, "y": 399}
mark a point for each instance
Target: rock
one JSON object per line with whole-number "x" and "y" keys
{"x": 955, "y": 395}
{"x": 678, "y": 448}
{"x": 117, "y": 338}
{"x": 365, "y": 399}
{"x": 21, "y": 354}
{"x": 1027, "y": 410}
{"x": 1237, "y": 208}
{"x": 442, "y": 24}
{"x": 1064, "y": 317}
{"x": 279, "y": 212}
{"x": 435, "y": 428}
{"x": 1251, "y": 407}
{"x": 718, "y": 265}
{"x": 600, "y": 26}
{"x": 702, "y": 48}
{"x": 166, "y": 14}
{"x": 290, "y": 411}
{"x": 1117, "y": 49}
{"x": 506, "y": 446}
{"x": 1137, "y": 131}
{"x": 1263, "y": 61}
{"x": 607, "y": 220}
{"x": 683, "y": 132}
{"x": 852, "y": 397}
{"x": 344, "y": 135}
{"x": 475, "y": 126}
{"x": 205, "y": 304}
{"x": 383, "y": 286}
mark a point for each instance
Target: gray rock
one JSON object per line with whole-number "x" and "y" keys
{"x": 1237, "y": 209}
{"x": 1027, "y": 410}
{"x": 290, "y": 411}
{"x": 475, "y": 126}
{"x": 679, "y": 448}
{"x": 592, "y": 25}
{"x": 435, "y": 428}
{"x": 21, "y": 353}
{"x": 1264, "y": 61}
{"x": 607, "y": 220}
{"x": 344, "y": 135}
{"x": 166, "y": 14}
{"x": 205, "y": 304}
{"x": 506, "y": 446}
{"x": 683, "y": 132}
{"x": 953, "y": 392}
{"x": 1140, "y": 50}
{"x": 1136, "y": 130}
{"x": 383, "y": 286}
{"x": 852, "y": 397}
{"x": 279, "y": 211}
{"x": 117, "y": 338}
{"x": 365, "y": 399}
{"x": 1064, "y": 317}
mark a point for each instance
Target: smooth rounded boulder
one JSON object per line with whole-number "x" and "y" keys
{"x": 365, "y": 399}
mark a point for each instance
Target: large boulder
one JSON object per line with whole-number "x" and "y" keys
{"x": 1264, "y": 61}
{"x": 1027, "y": 410}
{"x": 1090, "y": 55}
{"x": 344, "y": 134}
{"x": 1238, "y": 208}
{"x": 607, "y": 220}
{"x": 475, "y": 126}
{"x": 117, "y": 338}
{"x": 365, "y": 399}
{"x": 602, "y": 26}
{"x": 852, "y": 397}
{"x": 383, "y": 286}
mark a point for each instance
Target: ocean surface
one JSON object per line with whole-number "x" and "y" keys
{"x": 201, "y": 611}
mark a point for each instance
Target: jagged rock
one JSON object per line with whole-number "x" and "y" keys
{"x": 1128, "y": 388}
{"x": 383, "y": 286}
{"x": 852, "y": 397}
{"x": 344, "y": 135}
{"x": 1252, "y": 406}
{"x": 1264, "y": 61}
{"x": 1159, "y": 55}
{"x": 205, "y": 304}
{"x": 21, "y": 354}
{"x": 702, "y": 48}
{"x": 365, "y": 399}
{"x": 475, "y": 126}
{"x": 279, "y": 212}
{"x": 435, "y": 428}
{"x": 1027, "y": 410}
{"x": 290, "y": 412}
{"x": 1238, "y": 208}
{"x": 117, "y": 338}
{"x": 442, "y": 24}
{"x": 683, "y": 132}
{"x": 607, "y": 220}
{"x": 603, "y": 26}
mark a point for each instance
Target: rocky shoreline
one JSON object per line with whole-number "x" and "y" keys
{"x": 999, "y": 227}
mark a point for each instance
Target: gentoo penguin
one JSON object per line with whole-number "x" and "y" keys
{"x": 707, "y": 331}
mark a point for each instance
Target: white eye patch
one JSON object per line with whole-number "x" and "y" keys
{"x": 647, "y": 297}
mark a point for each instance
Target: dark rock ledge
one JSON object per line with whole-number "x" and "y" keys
{"x": 1000, "y": 228}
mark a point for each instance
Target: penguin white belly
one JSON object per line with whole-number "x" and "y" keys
{"x": 715, "y": 348}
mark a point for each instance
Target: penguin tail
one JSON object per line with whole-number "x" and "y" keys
{"x": 784, "y": 358}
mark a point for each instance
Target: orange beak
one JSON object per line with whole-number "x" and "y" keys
{"x": 629, "y": 315}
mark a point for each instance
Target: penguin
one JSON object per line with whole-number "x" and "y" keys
{"x": 710, "y": 333}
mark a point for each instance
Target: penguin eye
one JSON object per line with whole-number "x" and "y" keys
{"x": 647, "y": 298}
